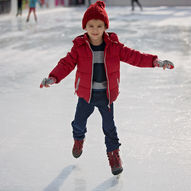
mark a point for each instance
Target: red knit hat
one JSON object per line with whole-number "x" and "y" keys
{"x": 96, "y": 11}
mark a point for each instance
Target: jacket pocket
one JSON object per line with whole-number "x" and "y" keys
{"x": 77, "y": 84}
{"x": 118, "y": 82}
{"x": 118, "y": 85}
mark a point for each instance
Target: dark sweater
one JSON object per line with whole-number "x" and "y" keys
{"x": 99, "y": 75}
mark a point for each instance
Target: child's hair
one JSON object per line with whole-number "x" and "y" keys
{"x": 96, "y": 11}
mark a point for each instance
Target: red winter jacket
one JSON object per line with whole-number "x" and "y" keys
{"x": 81, "y": 56}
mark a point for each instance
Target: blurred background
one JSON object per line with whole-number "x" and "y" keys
{"x": 10, "y": 6}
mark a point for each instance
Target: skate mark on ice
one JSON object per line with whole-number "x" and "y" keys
{"x": 59, "y": 180}
{"x": 113, "y": 182}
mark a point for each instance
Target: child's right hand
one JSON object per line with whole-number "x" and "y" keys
{"x": 164, "y": 64}
{"x": 46, "y": 82}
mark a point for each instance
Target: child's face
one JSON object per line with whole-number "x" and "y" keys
{"x": 95, "y": 30}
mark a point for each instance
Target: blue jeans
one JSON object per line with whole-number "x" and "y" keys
{"x": 84, "y": 110}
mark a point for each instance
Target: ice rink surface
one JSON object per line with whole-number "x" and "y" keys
{"x": 152, "y": 113}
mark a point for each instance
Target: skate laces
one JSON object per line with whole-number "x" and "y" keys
{"x": 78, "y": 144}
{"x": 114, "y": 158}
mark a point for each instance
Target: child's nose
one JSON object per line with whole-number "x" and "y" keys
{"x": 96, "y": 29}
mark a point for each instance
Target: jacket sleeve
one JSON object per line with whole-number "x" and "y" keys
{"x": 65, "y": 65}
{"x": 136, "y": 58}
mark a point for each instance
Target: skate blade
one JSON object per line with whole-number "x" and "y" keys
{"x": 118, "y": 176}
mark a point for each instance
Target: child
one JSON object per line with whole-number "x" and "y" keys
{"x": 138, "y": 3}
{"x": 32, "y": 8}
{"x": 19, "y": 7}
{"x": 97, "y": 55}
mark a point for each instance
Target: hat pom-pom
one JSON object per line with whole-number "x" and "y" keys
{"x": 100, "y": 4}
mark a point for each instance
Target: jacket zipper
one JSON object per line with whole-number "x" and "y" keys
{"x": 107, "y": 78}
{"x": 92, "y": 72}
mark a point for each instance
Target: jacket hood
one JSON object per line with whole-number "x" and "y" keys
{"x": 108, "y": 38}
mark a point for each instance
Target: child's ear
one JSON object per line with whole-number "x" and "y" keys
{"x": 85, "y": 29}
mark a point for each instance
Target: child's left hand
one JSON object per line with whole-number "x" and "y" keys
{"x": 165, "y": 64}
{"x": 46, "y": 82}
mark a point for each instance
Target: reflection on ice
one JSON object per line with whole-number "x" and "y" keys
{"x": 113, "y": 183}
{"x": 59, "y": 180}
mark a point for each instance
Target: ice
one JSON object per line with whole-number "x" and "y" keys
{"x": 152, "y": 113}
